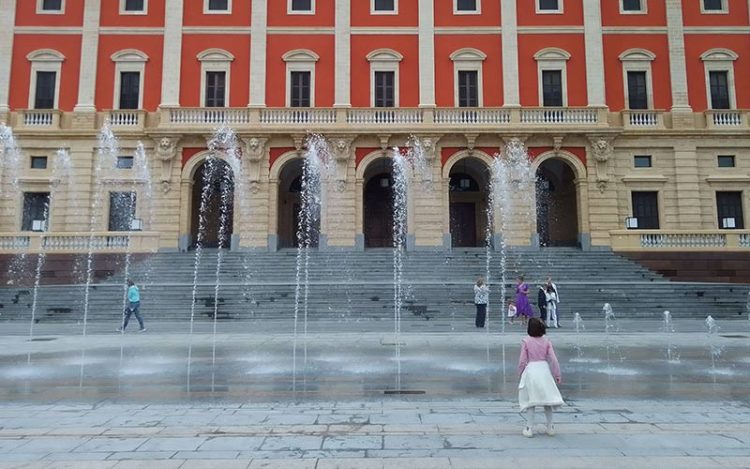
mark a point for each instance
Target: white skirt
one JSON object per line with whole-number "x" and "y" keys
{"x": 537, "y": 387}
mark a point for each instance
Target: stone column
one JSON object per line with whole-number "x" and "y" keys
{"x": 89, "y": 53}
{"x": 339, "y": 204}
{"x": 343, "y": 53}
{"x": 255, "y": 161}
{"x": 687, "y": 183}
{"x": 602, "y": 214}
{"x": 172, "y": 57}
{"x": 258, "y": 40}
{"x": 7, "y": 19}
{"x": 681, "y": 111}
{"x": 592, "y": 28}
{"x": 511, "y": 94}
{"x": 425, "y": 225}
{"x": 426, "y": 53}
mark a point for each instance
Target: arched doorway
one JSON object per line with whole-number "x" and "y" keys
{"x": 213, "y": 180}
{"x": 378, "y": 204}
{"x": 290, "y": 203}
{"x": 468, "y": 203}
{"x": 557, "y": 207}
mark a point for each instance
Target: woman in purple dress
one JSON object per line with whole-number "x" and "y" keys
{"x": 522, "y": 300}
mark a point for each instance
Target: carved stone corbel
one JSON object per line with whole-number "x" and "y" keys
{"x": 602, "y": 150}
{"x": 557, "y": 142}
{"x": 342, "y": 153}
{"x": 166, "y": 150}
{"x": 471, "y": 140}
{"x": 299, "y": 142}
{"x": 254, "y": 152}
{"x": 384, "y": 140}
{"x": 428, "y": 144}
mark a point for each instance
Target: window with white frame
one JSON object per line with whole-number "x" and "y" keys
{"x": 552, "y": 75}
{"x": 44, "y": 86}
{"x": 216, "y": 66}
{"x": 46, "y": 7}
{"x": 714, "y": 6}
{"x": 133, "y": 7}
{"x": 630, "y": 7}
{"x": 300, "y": 73}
{"x": 384, "y": 65}
{"x": 549, "y": 6}
{"x": 637, "y": 79}
{"x": 301, "y": 7}
{"x": 383, "y": 7}
{"x": 467, "y": 7}
{"x": 130, "y": 71}
{"x": 467, "y": 76}
{"x": 217, "y": 6}
{"x": 719, "y": 74}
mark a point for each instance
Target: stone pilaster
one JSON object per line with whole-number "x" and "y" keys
{"x": 592, "y": 29}
{"x": 253, "y": 220}
{"x": 166, "y": 151}
{"x": 687, "y": 181}
{"x": 426, "y": 53}
{"x": 170, "y": 82}
{"x": 259, "y": 28}
{"x": 7, "y": 19}
{"x": 511, "y": 93}
{"x": 343, "y": 53}
{"x": 89, "y": 54}
{"x": 681, "y": 111}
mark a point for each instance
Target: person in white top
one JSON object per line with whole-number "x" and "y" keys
{"x": 551, "y": 320}
{"x": 481, "y": 298}
{"x": 557, "y": 294}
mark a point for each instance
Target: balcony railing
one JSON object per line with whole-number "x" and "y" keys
{"x": 582, "y": 116}
{"x": 643, "y": 119}
{"x": 39, "y": 119}
{"x": 377, "y": 116}
{"x": 207, "y": 115}
{"x": 298, "y": 116}
{"x": 127, "y": 119}
{"x": 725, "y": 119}
{"x": 472, "y": 116}
{"x": 98, "y": 242}
{"x": 665, "y": 240}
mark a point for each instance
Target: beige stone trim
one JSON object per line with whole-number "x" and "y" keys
{"x": 474, "y": 30}
{"x": 677, "y": 63}
{"x": 258, "y": 44}
{"x": 550, "y": 29}
{"x": 131, "y": 31}
{"x": 172, "y": 56}
{"x": 592, "y": 24}
{"x": 509, "y": 19}
{"x": 47, "y": 29}
{"x": 89, "y": 55}
{"x": 426, "y": 54}
{"x": 342, "y": 54}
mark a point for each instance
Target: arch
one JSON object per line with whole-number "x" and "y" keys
{"x": 384, "y": 55}
{"x": 215, "y": 55}
{"x": 45, "y": 55}
{"x": 465, "y": 218}
{"x": 129, "y": 55}
{"x": 367, "y": 161}
{"x": 192, "y": 165}
{"x": 579, "y": 169}
{"x": 300, "y": 55}
{"x": 637, "y": 54}
{"x": 458, "y": 156}
{"x": 552, "y": 53}
{"x": 468, "y": 54}
{"x": 560, "y": 199}
{"x": 281, "y": 162}
{"x": 215, "y": 206}
{"x": 719, "y": 54}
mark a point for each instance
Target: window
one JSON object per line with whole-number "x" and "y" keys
{"x": 552, "y": 94}
{"x": 124, "y": 162}
{"x": 131, "y": 7}
{"x": 130, "y": 83}
{"x": 713, "y": 6}
{"x": 549, "y": 6}
{"x": 632, "y": 6}
{"x": 468, "y": 88}
{"x": 301, "y": 6}
{"x": 551, "y": 67}
{"x": 637, "y": 90}
{"x": 38, "y": 162}
{"x": 384, "y": 64}
{"x": 217, "y": 6}
{"x": 466, "y": 6}
{"x": 642, "y": 161}
{"x": 216, "y": 83}
{"x": 729, "y": 210}
{"x": 719, "y": 90}
{"x": 383, "y": 6}
{"x": 130, "y": 68}
{"x": 725, "y": 161}
{"x": 646, "y": 209}
{"x": 121, "y": 210}
{"x": 300, "y": 89}
{"x": 50, "y": 6}
{"x": 384, "y": 89}
{"x": 44, "y": 95}
{"x": 35, "y": 211}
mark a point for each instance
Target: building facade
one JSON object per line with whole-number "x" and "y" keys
{"x": 634, "y": 113}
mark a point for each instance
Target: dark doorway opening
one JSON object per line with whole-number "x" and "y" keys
{"x": 212, "y": 180}
{"x": 557, "y": 204}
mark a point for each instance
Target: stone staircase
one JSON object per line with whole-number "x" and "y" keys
{"x": 359, "y": 286}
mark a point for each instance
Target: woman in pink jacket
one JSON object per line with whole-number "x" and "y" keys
{"x": 539, "y": 371}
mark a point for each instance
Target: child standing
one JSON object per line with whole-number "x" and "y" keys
{"x": 537, "y": 366}
{"x": 512, "y": 311}
{"x": 481, "y": 298}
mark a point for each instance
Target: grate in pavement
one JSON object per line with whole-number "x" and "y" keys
{"x": 42, "y": 339}
{"x": 734, "y": 336}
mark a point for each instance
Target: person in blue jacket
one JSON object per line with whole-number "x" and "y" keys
{"x": 134, "y": 305}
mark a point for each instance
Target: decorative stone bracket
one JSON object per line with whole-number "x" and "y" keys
{"x": 429, "y": 145}
{"x": 166, "y": 150}
{"x": 254, "y": 152}
{"x": 342, "y": 153}
{"x": 602, "y": 150}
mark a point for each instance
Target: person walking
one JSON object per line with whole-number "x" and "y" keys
{"x": 557, "y": 304}
{"x": 539, "y": 370}
{"x": 134, "y": 305}
{"x": 523, "y": 307}
{"x": 481, "y": 298}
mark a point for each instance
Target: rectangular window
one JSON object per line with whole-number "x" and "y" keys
{"x": 38, "y": 162}
{"x": 52, "y": 5}
{"x": 637, "y": 90}
{"x": 552, "y": 88}
{"x": 713, "y": 5}
{"x": 725, "y": 161}
{"x": 299, "y": 89}
{"x": 729, "y": 210}
{"x": 646, "y": 209}
{"x": 121, "y": 210}
{"x": 719, "y": 90}
{"x": 468, "y": 88}
{"x": 549, "y": 5}
{"x": 215, "y": 89}
{"x": 218, "y": 5}
{"x": 631, "y": 5}
{"x": 44, "y": 97}
{"x": 384, "y": 5}
{"x": 134, "y": 5}
{"x": 642, "y": 161}
{"x": 385, "y": 93}
{"x": 466, "y": 5}
{"x": 301, "y": 5}
{"x": 35, "y": 211}
{"x": 124, "y": 162}
{"x": 130, "y": 84}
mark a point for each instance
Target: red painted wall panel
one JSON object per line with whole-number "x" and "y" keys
{"x": 530, "y": 44}
{"x": 408, "y": 46}
{"x": 26, "y": 14}
{"x": 572, "y": 14}
{"x": 278, "y": 45}
{"x": 193, "y": 14}
{"x": 490, "y": 14}
{"x": 324, "y": 14}
{"x": 697, "y": 44}
{"x": 492, "y": 67}
{"x": 110, "y": 15}
{"x": 408, "y": 14}
{"x": 656, "y": 14}
{"x": 737, "y": 16}
{"x": 277, "y": 152}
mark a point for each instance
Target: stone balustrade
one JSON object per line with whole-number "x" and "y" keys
{"x": 680, "y": 240}
{"x": 726, "y": 119}
{"x": 126, "y": 119}
{"x": 61, "y": 243}
{"x": 38, "y": 119}
{"x": 643, "y": 119}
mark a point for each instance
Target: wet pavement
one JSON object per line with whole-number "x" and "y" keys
{"x": 348, "y": 394}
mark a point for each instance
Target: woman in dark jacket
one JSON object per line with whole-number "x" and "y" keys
{"x": 541, "y": 302}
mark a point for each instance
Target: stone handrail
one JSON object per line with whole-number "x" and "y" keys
{"x": 129, "y": 119}
{"x": 208, "y": 115}
{"x": 643, "y": 119}
{"x": 298, "y": 116}
{"x": 377, "y": 116}
{"x": 78, "y": 242}
{"x": 560, "y": 115}
{"x": 726, "y": 119}
{"x": 39, "y": 119}
{"x": 495, "y": 116}
{"x": 677, "y": 240}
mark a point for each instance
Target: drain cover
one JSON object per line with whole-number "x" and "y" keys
{"x": 734, "y": 336}
{"x": 403, "y": 391}
{"x": 43, "y": 339}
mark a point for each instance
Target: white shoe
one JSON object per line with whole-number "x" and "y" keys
{"x": 551, "y": 430}
{"x": 527, "y": 432}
